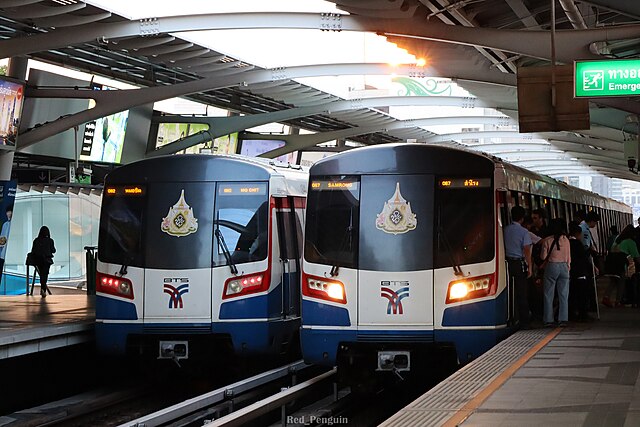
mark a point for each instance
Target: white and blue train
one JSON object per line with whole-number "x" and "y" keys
{"x": 196, "y": 253}
{"x": 404, "y": 254}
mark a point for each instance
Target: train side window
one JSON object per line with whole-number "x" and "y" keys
{"x": 289, "y": 228}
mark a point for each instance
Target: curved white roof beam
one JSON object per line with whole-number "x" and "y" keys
{"x": 110, "y": 102}
{"x": 570, "y": 44}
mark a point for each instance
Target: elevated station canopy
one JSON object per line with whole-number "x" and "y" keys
{"x": 478, "y": 45}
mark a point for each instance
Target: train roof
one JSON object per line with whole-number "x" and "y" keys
{"x": 408, "y": 157}
{"x": 203, "y": 167}
{"x": 413, "y": 157}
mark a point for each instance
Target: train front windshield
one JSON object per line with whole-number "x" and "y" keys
{"x": 174, "y": 225}
{"x": 399, "y": 222}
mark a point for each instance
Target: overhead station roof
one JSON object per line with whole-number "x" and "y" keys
{"x": 147, "y": 52}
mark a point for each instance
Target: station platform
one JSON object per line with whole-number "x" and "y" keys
{"x": 585, "y": 374}
{"x": 30, "y": 324}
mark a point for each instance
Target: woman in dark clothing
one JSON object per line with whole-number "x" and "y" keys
{"x": 42, "y": 252}
{"x": 579, "y": 285}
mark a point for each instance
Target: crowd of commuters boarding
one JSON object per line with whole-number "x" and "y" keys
{"x": 553, "y": 266}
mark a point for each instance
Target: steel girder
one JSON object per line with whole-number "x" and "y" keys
{"x": 571, "y": 44}
{"x": 110, "y": 102}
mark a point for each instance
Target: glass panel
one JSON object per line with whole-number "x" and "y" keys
{"x": 76, "y": 229}
{"x": 396, "y": 224}
{"x": 179, "y": 226}
{"x": 464, "y": 218}
{"x": 121, "y": 230}
{"x": 242, "y": 216}
{"x": 56, "y": 217}
{"x": 333, "y": 207}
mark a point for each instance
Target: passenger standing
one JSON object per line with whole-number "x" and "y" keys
{"x": 590, "y": 221}
{"x": 539, "y": 218}
{"x": 517, "y": 245}
{"x": 613, "y": 235}
{"x": 42, "y": 253}
{"x": 579, "y": 273}
{"x": 557, "y": 255}
{"x": 626, "y": 246}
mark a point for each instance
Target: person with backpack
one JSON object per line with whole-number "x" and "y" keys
{"x": 622, "y": 258}
{"x": 42, "y": 255}
{"x": 556, "y": 253}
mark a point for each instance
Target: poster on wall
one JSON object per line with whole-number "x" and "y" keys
{"x": 104, "y": 138}
{"x": 7, "y": 199}
{"x": 11, "y": 100}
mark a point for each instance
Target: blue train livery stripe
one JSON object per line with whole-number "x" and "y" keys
{"x": 113, "y": 309}
{"x": 253, "y": 307}
{"x": 315, "y": 313}
{"x": 256, "y": 337}
{"x": 484, "y": 313}
{"x": 471, "y": 343}
{"x": 321, "y": 346}
{"x": 111, "y": 338}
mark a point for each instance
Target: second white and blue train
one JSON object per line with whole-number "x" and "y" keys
{"x": 200, "y": 253}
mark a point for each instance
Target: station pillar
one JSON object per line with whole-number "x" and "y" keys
{"x": 18, "y": 70}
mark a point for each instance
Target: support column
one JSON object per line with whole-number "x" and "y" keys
{"x": 18, "y": 70}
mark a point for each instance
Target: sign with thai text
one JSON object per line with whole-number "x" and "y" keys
{"x": 616, "y": 77}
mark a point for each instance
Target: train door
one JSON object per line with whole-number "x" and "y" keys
{"x": 178, "y": 248}
{"x": 395, "y": 262}
{"x": 289, "y": 237}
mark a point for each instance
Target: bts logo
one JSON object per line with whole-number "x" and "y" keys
{"x": 395, "y": 297}
{"x": 176, "y": 291}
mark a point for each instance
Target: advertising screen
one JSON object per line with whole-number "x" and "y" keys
{"x": 104, "y": 137}
{"x": 11, "y": 100}
{"x": 255, "y": 147}
{"x": 171, "y": 132}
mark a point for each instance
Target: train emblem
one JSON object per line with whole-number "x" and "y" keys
{"x": 396, "y": 216}
{"x": 180, "y": 220}
{"x": 394, "y": 297}
{"x": 175, "y": 292}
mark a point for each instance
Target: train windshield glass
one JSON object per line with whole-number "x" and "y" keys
{"x": 179, "y": 225}
{"x": 333, "y": 207}
{"x": 395, "y": 229}
{"x": 242, "y": 216}
{"x": 121, "y": 227}
{"x": 464, "y": 224}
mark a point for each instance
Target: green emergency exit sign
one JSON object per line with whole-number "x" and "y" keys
{"x": 616, "y": 77}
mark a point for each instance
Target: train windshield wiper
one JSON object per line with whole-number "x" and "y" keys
{"x": 225, "y": 249}
{"x": 454, "y": 263}
{"x": 347, "y": 243}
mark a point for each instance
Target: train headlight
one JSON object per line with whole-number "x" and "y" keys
{"x": 329, "y": 290}
{"x": 471, "y": 288}
{"x": 458, "y": 290}
{"x": 114, "y": 285}
{"x": 244, "y": 285}
{"x": 335, "y": 291}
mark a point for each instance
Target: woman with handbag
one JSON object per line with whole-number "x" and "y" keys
{"x": 42, "y": 254}
{"x": 556, "y": 254}
{"x": 624, "y": 253}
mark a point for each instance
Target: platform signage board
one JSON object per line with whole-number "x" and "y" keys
{"x": 615, "y": 77}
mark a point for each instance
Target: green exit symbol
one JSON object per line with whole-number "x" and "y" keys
{"x": 593, "y": 80}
